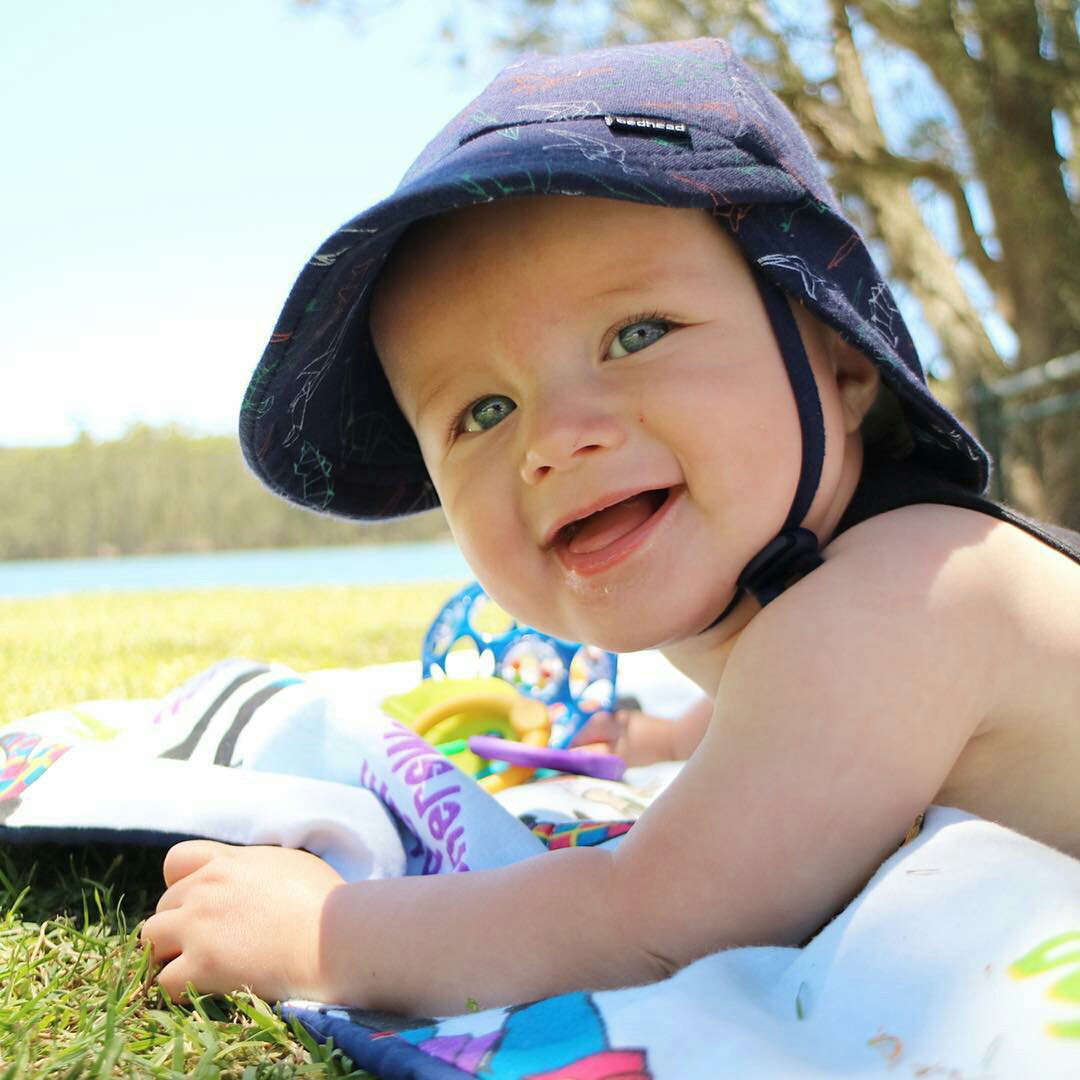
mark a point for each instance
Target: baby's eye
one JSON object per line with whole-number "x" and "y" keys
{"x": 637, "y": 336}
{"x": 487, "y": 412}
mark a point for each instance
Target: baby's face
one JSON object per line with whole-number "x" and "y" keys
{"x": 601, "y": 405}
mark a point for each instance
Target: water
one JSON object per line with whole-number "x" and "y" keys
{"x": 369, "y": 564}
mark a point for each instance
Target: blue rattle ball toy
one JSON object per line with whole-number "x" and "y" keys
{"x": 574, "y": 681}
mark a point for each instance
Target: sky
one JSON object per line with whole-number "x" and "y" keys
{"x": 167, "y": 168}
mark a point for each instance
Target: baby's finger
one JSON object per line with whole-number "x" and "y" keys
{"x": 173, "y": 978}
{"x": 187, "y": 856}
{"x": 160, "y": 933}
{"x": 170, "y": 899}
{"x": 601, "y": 727}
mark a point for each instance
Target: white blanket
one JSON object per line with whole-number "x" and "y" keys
{"x": 961, "y": 958}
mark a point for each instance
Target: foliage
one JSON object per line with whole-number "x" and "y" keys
{"x": 76, "y": 996}
{"x": 157, "y": 490}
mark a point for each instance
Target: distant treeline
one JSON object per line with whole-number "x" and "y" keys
{"x": 159, "y": 490}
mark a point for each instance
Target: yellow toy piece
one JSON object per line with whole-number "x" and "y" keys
{"x": 528, "y": 719}
{"x": 442, "y": 710}
{"x": 458, "y": 729}
{"x": 525, "y": 714}
{"x": 408, "y": 707}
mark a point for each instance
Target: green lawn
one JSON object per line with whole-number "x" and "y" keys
{"x": 76, "y": 996}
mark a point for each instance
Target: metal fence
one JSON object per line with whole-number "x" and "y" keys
{"x": 996, "y": 419}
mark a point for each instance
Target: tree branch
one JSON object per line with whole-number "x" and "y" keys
{"x": 929, "y": 32}
{"x": 951, "y": 186}
{"x": 790, "y": 74}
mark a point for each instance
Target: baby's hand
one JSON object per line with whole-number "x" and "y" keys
{"x": 235, "y": 917}
{"x": 637, "y": 737}
{"x": 640, "y": 739}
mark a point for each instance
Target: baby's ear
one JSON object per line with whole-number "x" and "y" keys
{"x": 856, "y": 378}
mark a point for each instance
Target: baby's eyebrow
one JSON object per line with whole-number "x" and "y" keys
{"x": 640, "y": 282}
{"x": 616, "y": 292}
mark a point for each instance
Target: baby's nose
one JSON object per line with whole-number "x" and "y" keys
{"x": 563, "y": 437}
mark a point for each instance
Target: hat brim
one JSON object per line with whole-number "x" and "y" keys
{"x": 319, "y": 424}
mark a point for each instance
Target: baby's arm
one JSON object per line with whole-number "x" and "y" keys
{"x": 834, "y": 730}
{"x": 284, "y": 924}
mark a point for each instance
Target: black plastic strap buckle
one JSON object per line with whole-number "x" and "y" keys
{"x": 793, "y": 554}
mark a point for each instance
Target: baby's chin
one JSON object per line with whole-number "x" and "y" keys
{"x": 632, "y": 631}
{"x": 628, "y": 640}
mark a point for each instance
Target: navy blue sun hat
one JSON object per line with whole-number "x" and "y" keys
{"x": 679, "y": 124}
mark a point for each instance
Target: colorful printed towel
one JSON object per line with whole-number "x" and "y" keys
{"x": 961, "y": 958}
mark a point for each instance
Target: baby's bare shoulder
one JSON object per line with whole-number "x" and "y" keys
{"x": 917, "y": 580}
{"x": 1000, "y": 585}
{"x": 903, "y": 618}
{"x": 930, "y": 608}
{"x": 980, "y": 621}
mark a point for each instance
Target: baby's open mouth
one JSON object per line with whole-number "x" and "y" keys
{"x": 600, "y": 529}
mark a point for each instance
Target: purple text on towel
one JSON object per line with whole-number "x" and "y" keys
{"x": 415, "y": 763}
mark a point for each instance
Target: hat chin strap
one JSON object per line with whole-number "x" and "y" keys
{"x": 794, "y": 551}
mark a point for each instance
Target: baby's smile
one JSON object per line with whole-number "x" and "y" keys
{"x": 596, "y": 540}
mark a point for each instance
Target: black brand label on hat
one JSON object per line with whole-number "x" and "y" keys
{"x": 672, "y": 130}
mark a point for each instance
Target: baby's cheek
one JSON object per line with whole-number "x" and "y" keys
{"x": 484, "y": 519}
{"x": 494, "y": 556}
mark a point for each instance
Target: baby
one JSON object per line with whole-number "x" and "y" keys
{"x": 614, "y": 323}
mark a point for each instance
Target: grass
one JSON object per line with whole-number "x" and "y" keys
{"x": 77, "y": 998}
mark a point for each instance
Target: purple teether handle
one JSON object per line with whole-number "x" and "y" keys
{"x": 582, "y": 762}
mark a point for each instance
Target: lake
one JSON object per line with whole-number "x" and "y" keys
{"x": 366, "y": 564}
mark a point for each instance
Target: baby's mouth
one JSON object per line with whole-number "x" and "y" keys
{"x": 599, "y": 530}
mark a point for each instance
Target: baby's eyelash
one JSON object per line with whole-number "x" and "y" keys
{"x": 645, "y": 316}
{"x": 457, "y": 423}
